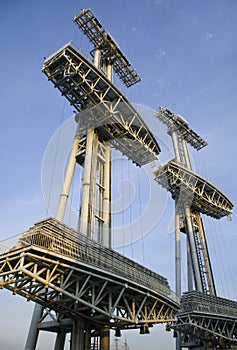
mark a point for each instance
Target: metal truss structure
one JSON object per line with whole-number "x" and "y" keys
{"x": 79, "y": 284}
{"x": 207, "y": 321}
{"x": 77, "y": 278}
{"x": 103, "y": 41}
{"x": 179, "y": 123}
{"x": 103, "y": 105}
{"x": 202, "y": 196}
{"x": 204, "y": 320}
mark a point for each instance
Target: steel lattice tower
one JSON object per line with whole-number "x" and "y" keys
{"x": 193, "y": 197}
{"x": 78, "y": 283}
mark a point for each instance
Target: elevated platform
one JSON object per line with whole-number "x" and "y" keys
{"x": 103, "y": 40}
{"x": 203, "y": 196}
{"x": 55, "y": 266}
{"x": 88, "y": 89}
{"x": 208, "y": 318}
{"x": 179, "y": 123}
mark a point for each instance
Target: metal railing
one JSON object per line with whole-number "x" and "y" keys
{"x": 54, "y": 236}
{"x": 196, "y": 301}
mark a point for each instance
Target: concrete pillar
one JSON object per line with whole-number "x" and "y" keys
{"x": 104, "y": 338}
{"x": 32, "y": 338}
{"x": 67, "y": 182}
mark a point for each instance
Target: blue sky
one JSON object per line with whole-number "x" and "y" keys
{"x": 185, "y": 52}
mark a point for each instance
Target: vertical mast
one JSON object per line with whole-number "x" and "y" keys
{"x": 199, "y": 269}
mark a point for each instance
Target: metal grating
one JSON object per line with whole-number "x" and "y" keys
{"x": 102, "y": 39}
{"x": 178, "y": 123}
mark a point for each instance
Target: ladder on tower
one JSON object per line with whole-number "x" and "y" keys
{"x": 199, "y": 251}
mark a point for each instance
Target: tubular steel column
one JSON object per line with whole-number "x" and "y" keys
{"x": 177, "y": 253}
{"x": 86, "y": 189}
{"x": 106, "y": 231}
{"x": 186, "y": 154}
{"x": 104, "y": 338}
{"x": 60, "y": 340}
{"x": 78, "y": 335}
{"x": 197, "y": 276}
{"x": 176, "y": 145}
{"x": 189, "y": 266}
{"x": 33, "y": 331}
{"x": 97, "y": 57}
{"x": 67, "y": 181}
{"x": 109, "y": 71}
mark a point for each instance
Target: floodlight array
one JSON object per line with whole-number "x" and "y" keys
{"x": 178, "y": 123}
{"x": 103, "y": 40}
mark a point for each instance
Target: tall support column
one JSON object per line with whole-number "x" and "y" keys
{"x": 106, "y": 231}
{"x": 109, "y": 71}
{"x": 78, "y": 335}
{"x": 67, "y": 182}
{"x": 104, "y": 338}
{"x": 87, "y": 338}
{"x": 189, "y": 267}
{"x": 84, "y": 215}
{"x": 196, "y": 270}
{"x": 176, "y": 145}
{"x": 32, "y": 338}
{"x": 97, "y": 56}
{"x": 186, "y": 155}
{"x": 177, "y": 254}
{"x": 92, "y": 202}
{"x": 60, "y": 340}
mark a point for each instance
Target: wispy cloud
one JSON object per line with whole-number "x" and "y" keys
{"x": 160, "y": 53}
{"x": 207, "y": 36}
{"x": 162, "y": 83}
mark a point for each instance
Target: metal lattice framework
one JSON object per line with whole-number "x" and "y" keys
{"x": 103, "y": 40}
{"x": 178, "y": 122}
{"x": 76, "y": 277}
{"x": 207, "y": 318}
{"x": 106, "y": 107}
{"x": 203, "y": 196}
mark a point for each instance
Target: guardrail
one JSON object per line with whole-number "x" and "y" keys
{"x": 196, "y": 301}
{"x": 54, "y": 236}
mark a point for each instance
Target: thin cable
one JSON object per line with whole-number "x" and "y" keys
{"x": 130, "y": 209}
{"x": 71, "y": 201}
{"x": 214, "y": 240}
{"x": 122, "y": 177}
{"x": 55, "y": 158}
{"x": 223, "y": 245}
